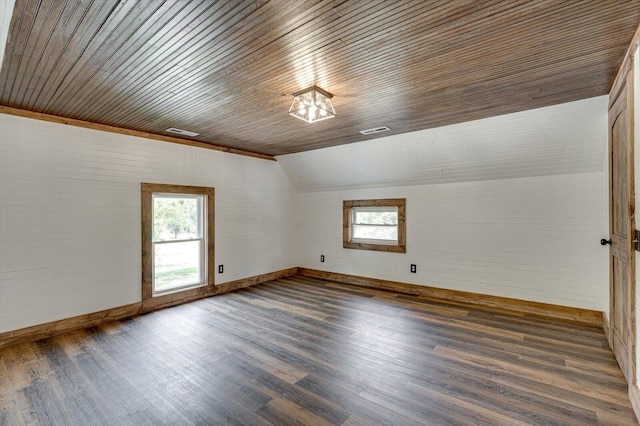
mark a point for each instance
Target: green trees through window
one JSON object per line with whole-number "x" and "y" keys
{"x": 174, "y": 216}
{"x": 177, "y": 243}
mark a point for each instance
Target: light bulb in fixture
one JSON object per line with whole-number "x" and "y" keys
{"x": 312, "y": 104}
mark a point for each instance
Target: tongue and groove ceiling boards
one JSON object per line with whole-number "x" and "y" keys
{"x": 226, "y": 69}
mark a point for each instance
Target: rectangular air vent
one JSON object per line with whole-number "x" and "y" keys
{"x": 181, "y": 132}
{"x": 375, "y": 130}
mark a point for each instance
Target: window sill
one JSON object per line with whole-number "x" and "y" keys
{"x": 375, "y": 247}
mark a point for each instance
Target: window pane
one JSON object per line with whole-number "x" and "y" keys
{"x": 372, "y": 232}
{"x": 176, "y": 218}
{"x": 376, "y": 218}
{"x": 176, "y": 265}
{"x": 376, "y": 224}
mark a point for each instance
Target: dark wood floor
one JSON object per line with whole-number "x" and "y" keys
{"x": 305, "y": 351}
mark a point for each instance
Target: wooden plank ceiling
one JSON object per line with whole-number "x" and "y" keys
{"x": 226, "y": 69}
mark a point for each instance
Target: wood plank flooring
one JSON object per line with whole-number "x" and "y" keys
{"x": 305, "y": 351}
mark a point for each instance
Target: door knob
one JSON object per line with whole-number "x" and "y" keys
{"x": 605, "y": 242}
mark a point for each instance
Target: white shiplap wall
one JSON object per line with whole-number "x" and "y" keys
{"x": 561, "y": 139}
{"x": 70, "y": 211}
{"x": 70, "y": 216}
{"x": 511, "y": 206}
{"x": 534, "y": 238}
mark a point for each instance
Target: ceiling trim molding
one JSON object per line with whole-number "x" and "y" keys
{"x": 122, "y": 131}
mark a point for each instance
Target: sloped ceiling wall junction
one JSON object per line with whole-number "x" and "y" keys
{"x": 562, "y": 139}
{"x": 512, "y": 206}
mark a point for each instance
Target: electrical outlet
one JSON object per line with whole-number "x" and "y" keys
{"x": 322, "y": 258}
{"x": 413, "y": 268}
{"x": 220, "y": 269}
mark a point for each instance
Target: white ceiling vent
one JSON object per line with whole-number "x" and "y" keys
{"x": 375, "y": 130}
{"x": 181, "y": 132}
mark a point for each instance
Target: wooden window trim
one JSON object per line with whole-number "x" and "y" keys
{"x": 400, "y": 203}
{"x": 148, "y": 300}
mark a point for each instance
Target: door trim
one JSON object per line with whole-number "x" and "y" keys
{"x": 623, "y": 86}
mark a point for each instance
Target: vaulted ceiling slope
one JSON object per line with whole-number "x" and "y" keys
{"x": 570, "y": 138}
{"x": 226, "y": 69}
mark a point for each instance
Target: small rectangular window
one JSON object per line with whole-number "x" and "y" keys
{"x": 377, "y": 225}
{"x": 374, "y": 225}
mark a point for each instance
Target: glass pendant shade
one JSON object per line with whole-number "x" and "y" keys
{"x": 312, "y": 104}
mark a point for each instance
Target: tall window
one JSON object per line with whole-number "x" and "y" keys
{"x": 375, "y": 225}
{"x": 177, "y": 237}
{"x": 179, "y": 242}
